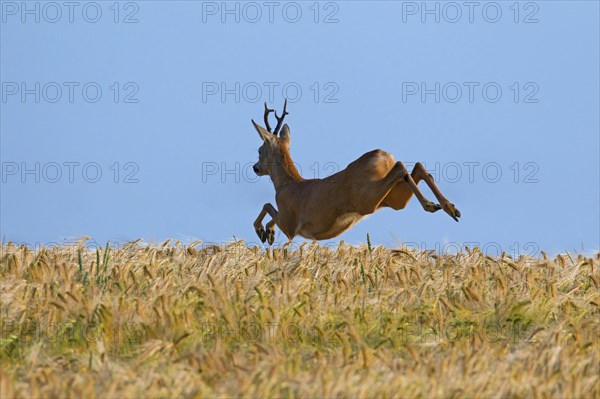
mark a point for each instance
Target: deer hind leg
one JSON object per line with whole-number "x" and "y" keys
{"x": 420, "y": 173}
{"x": 396, "y": 189}
{"x": 269, "y": 233}
{"x": 402, "y": 192}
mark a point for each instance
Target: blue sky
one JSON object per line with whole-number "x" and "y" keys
{"x": 140, "y": 128}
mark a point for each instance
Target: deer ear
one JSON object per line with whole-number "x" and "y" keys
{"x": 264, "y": 134}
{"x": 285, "y": 135}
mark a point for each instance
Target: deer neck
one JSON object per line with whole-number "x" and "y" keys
{"x": 284, "y": 171}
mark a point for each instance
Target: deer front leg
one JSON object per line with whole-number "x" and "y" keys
{"x": 269, "y": 233}
{"x": 420, "y": 173}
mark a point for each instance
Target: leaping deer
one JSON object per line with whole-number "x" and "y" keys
{"x": 320, "y": 209}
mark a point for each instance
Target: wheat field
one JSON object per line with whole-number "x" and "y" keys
{"x": 236, "y": 321}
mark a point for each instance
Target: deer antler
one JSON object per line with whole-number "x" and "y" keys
{"x": 280, "y": 120}
{"x": 267, "y": 112}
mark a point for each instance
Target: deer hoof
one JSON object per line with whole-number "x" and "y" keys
{"x": 451, "y": 210}
{"x": 271, "y": 236}
{"x": 261, "y": 233}
{"x": 431, "y": 207}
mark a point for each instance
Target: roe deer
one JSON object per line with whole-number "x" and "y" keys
{"x": 320, "y": 209}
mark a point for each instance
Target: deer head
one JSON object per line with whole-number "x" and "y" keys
{"x": 274, "y": 149}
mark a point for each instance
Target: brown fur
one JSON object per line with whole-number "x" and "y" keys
{"x": 324, "y": 208}
{"x": 287, "y": 163}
